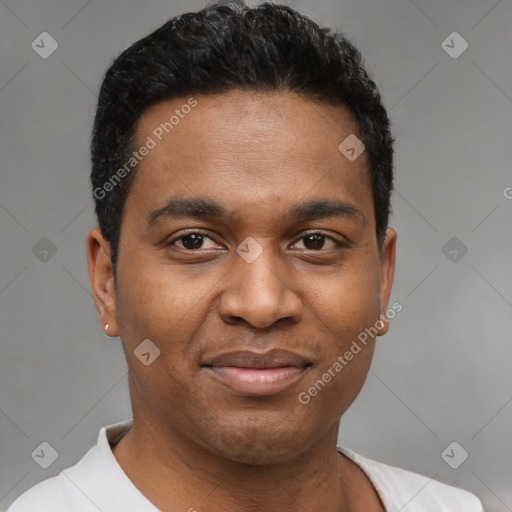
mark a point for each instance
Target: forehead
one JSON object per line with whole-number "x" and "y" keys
{"x": 247, "y": 148}
{"x": 247, "y": 122}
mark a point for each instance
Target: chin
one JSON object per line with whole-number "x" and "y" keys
{"x": 263, "y": 444}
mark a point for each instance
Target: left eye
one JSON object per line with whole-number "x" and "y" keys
{"x": 316, "y": 241}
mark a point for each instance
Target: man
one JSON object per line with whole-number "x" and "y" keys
{"x": 242, "y": 171}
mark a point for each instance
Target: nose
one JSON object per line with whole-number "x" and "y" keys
{"x": 259, "y": 293}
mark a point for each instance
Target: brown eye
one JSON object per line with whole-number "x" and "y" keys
{"x": 192, "y": 241}
{"x": 316, "y": 241}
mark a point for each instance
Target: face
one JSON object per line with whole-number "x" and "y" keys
{"x": 248, "y": 256}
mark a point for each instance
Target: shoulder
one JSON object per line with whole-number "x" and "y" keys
{"x": 51, "y": 492}
{"x": 407, "y": 491}
{"x": 87, "y": 485}
{"x": 59, "y": 493}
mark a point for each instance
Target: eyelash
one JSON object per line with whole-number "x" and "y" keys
{"x": 206, "y": 234}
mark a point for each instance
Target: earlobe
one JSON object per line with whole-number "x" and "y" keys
{"x": 101, "y": 280}
{"x": 387, "y": 272}
{"x": 382, "y": 324}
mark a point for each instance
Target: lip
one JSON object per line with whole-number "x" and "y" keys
{"x": 257, "y": 374}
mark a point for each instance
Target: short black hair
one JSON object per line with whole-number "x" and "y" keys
{"x": 228, "y": 45}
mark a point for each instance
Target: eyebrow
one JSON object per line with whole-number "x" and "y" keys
{"x": 203, "y": 208}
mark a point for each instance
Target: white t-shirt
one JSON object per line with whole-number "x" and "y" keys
{"x": 98, "y": 483}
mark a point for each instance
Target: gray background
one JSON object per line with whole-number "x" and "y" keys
{"x": 442, "y": 374}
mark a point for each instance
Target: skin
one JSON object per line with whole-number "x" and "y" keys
{"x": 195, "y": 443}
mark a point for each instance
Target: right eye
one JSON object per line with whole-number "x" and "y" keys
{"x": 191, "y": 241}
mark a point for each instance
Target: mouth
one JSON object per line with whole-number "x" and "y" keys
{"x": 253, "y": 374}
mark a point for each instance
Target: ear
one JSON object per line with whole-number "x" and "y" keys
{"x": 101, "y": 280}
{"x": 387, "y": 273}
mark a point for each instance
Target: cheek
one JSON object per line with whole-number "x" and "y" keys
{"x": 156, "y": 300}
{"x": 347, "y": 301}
{"x": 344, "y": 310}
{"x": 344, "y": 314}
